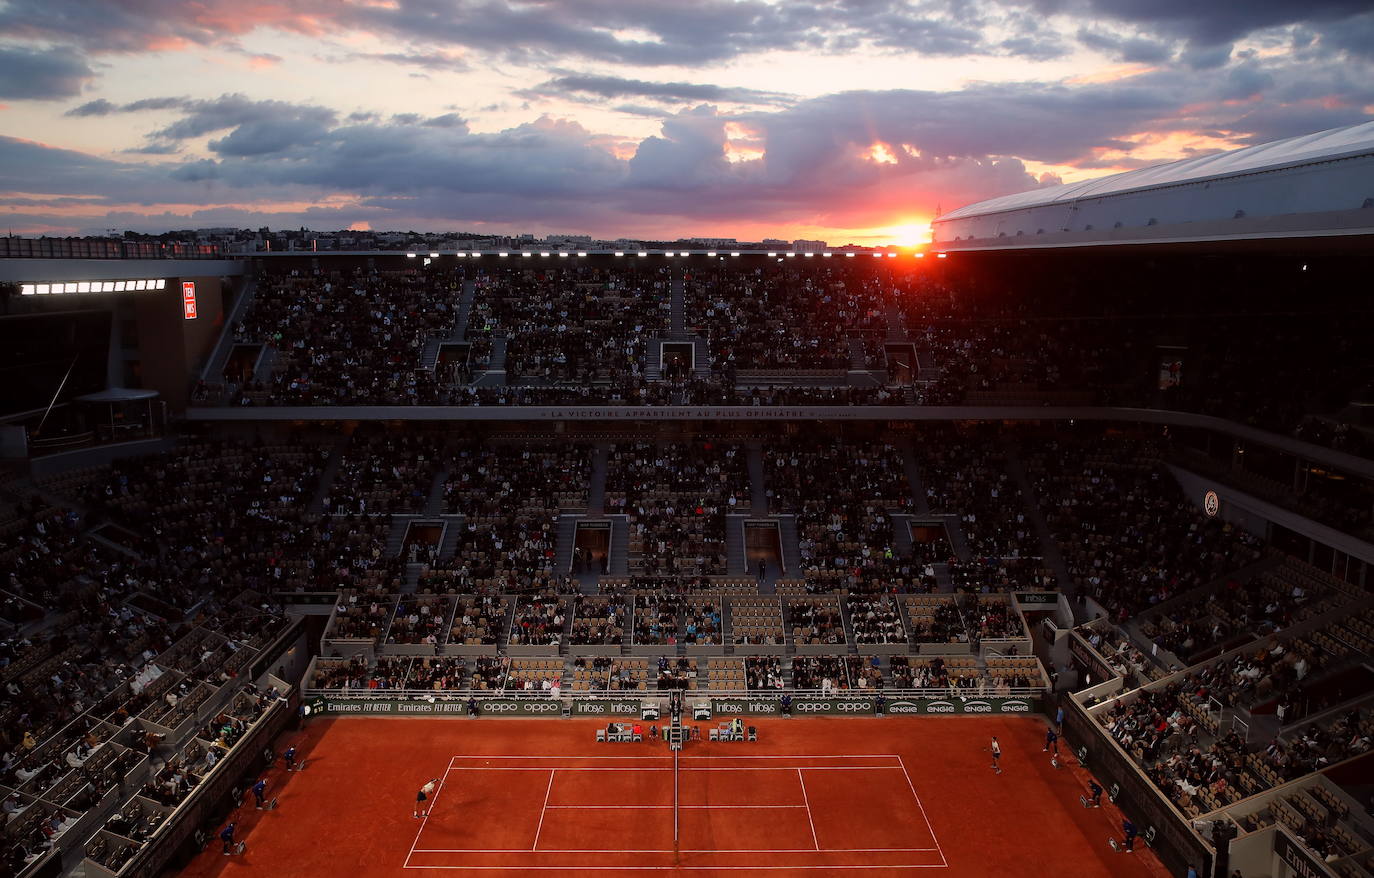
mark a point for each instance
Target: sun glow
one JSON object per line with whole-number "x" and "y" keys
{"x": 915, "y": 233}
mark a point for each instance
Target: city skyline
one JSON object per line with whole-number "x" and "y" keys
{"x": 635, "y": 119}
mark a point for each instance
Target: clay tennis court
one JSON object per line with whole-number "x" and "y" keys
{"x": 814, "y": 797}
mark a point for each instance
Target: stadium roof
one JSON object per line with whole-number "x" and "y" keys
{"x": 1327, "y": 172}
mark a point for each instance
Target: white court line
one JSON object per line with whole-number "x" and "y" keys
{"x": 425, "y": 819}
{"x": 689, "y": 768}
{"x": 666, "y": 868}
{"x": 653, "y": 807}
{"x": 540, "y": 827}
{"x": 682, "y": 850}
{"x": 802, "y": 781}
{"x": 929, "y": 828}
{"x": 686, "y": 757}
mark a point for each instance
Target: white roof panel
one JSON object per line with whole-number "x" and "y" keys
{"x": 1336, "y": 143}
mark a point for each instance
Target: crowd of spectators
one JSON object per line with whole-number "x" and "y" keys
{"x": 781, "y": 316}
{"x": 539, "y": 620}
{"x": 676, "y": 496}
{"x": 1129, "y": 537}
{"x": 844, "y": 495}
{"x": 348, "y": 340}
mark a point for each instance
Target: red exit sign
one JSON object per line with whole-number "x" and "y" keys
{"x": 188, "y": 298}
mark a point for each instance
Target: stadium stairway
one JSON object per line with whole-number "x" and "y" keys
{"x": 453, "y": 529}
{"x": 410, "y": 582}
{"x": 1049, "y": 546}
{"x": 913, "y": 477}
{"x": 736, "y": 561}
{"x": 901, "y": 535}
{"x": 653, "y": 360}
{"x": 701, "y": 357}
{"x": 495, "y": 374}
{"x": 460, "y": 323}
{"x": 847, "y": 623}
{"x": 896, "y": 330}
{"x": 620, "y": 546}
{"x": 267, "y": 361}
{"x": 434, "y": 503}
{"x": 219, "y": 357}
{"x": 596, "y": 483}
{"x": 331, "y": 470}
{"x": 758, "y": 488}
{"x": 857, "y": 362}
{"x": 565, "y": 540}
{"x": 957, "y": 542}
{"x": 429, "y": 357}
{"x": 395, "y": 538}
{"x": 791, "y": 554}
{"x": 677, "y": 318}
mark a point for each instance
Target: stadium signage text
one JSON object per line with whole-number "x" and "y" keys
{"x": 1037, "y": 597}
{"x": 606, "y": 708}
{"x": 765, "y": 706}
{"x": 1297, "y": 859}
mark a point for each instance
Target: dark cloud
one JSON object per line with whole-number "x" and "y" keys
{"x": 257, "y": 126}
{"x": 33, "y": 74}
{"x": 99, "y": 107}
{"x": 1206, "y": 24}
{"x": 619, "y": 87}
{"x": 1128, "y": 49}
{"x": 435, "y": 61}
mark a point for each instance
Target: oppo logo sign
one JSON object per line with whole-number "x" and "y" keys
{"x": 812, "y": 707}
{"x": 498, "y": 707}
{"x": 541, "y": 707}
{"x": 853, "y": 707}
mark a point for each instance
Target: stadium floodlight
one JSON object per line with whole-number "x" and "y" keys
{"x": 119, "y": 286}
{"x": 919, "y": 255}
{"x": 620, "y": 252}
{"x": 410, "y": 255}
{"x": 138, "y": 285}
{"x": 106, "y": 287}
{"x": 734, "y": 253}
{"x": 667, "y": 252}
{"x": 792, "y": 253}
{"x": 711, "y": 253}
{"x": 26, "y": 290}
{"x": 543, "y": 253}
{"x": 892, "y": 256}
{"x": 772, "y": 255}
{"x": 941, "y": 255}
{"x": 827, "y": 255}
{"x": 643, "y": 252}
{"x": 460, "y": 254}
{"x": 809, "y": 254}
{"x": 85, "y": 286}
{"x": 162, "y": 283}
{"x": 562, "y": 254}
{"x": 877, "y": 256}
{"x": 502, "y": 253}
{"x": 581, "y": 252}
{"x": 434, "y": 256}
{"x": 850, "y": 255}
{"x": 44, "y": 289}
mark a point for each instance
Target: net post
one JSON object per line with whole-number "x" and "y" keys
{"x": 675, "y": 805}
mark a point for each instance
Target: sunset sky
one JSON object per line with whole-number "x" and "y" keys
{"x": 848, "y": 120}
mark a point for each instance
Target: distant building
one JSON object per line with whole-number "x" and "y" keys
{"x": 803, "y": 246}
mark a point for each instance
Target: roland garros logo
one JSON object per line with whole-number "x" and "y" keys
{"x": 1211, "y": 504}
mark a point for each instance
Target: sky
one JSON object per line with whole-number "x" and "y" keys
{"x": 852, "y": 121}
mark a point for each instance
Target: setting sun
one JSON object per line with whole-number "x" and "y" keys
{"x": 914, "y": 233}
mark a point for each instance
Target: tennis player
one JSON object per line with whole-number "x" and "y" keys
{"x": 423, "y": 796}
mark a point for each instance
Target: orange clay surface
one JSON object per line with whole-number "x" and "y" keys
{"x": 813, "y": 797}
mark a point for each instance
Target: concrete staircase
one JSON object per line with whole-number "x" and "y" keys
{"x": 331, "y": 470}
{"x": 219, "y": 357}
{"x": 596, "y": 483}
{"x": 495, "y": 375}
{"x": 1049, "y": 547}
{"x": 565, "y": 541}
{"x": 677, "y": 317}
{"x": 453, "y": 529}
{"x": 758, "y": 487}
{"x": 395, "y": 539}
{"x": 736, "y": 560}
{"x": 913, "y": 477}
{"x": 434, "y": 503}
{"x": 701, "y": 357}
{"x": 791, "y": 554}
{"x": 620, "y": 546}
{"x": 460, "y": 323}
{"x": 896, "y": 330}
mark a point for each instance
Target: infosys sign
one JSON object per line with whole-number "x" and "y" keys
{"x": 959, "y": 706}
